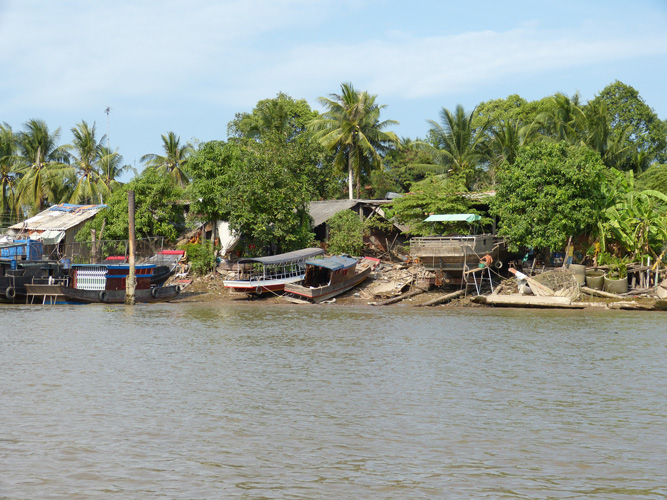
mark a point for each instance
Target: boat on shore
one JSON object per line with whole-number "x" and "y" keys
{"x": 328, "y": 277}
{"x": 453, "y": 255}
{"x": 259, "y": 275}
{"x": 106, "y": 283}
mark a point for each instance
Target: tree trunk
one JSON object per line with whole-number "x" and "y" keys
{"x": 350, "y": 179}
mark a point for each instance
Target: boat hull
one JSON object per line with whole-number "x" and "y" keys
{"x": 145, "y": 295}
{"x": 319, "y": 294}
{"x": 261, "y": 286}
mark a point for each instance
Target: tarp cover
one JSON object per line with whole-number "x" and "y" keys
{"x": 334, "y": 263}
{"x": 453, "y": 218}
{"x": 285, "y": 257}
{"x": 51, "y": 237}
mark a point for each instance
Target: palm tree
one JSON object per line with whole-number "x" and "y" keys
{"x": 86, "y": 155}
{"x": 352, "y": 130}
{"x": 506, "y": 138}
{"x": 43, "y": 159}
{"x": 175, "y": 159}
{"x": 111, "y": 169}
{"x": 564, "y": 120}
{"x": 457, "y": 144}
{"x": 9, "y": 170}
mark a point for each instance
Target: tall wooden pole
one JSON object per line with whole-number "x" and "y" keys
{"x": 131, "y": 278}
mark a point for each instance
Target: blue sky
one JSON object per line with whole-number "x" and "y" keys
{"x": 189, "y": 67}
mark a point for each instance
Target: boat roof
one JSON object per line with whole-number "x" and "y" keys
{"x": 453, "y": 218}
{"x": 304, "y": 253}
{"x": 334, "y": 262}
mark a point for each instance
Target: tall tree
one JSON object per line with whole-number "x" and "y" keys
{"x": 174, "y": 161}
{"x": 112, "y": 168}
{"x": 43, "y": 159}
{"x": 281, "y": 117}
{"x": 457, "y": 144}
{"x": 351, "y": 129}
{"x": 9, "y": 171}
{"x": 629, "y": 114}
{"x": 85, "y": 159}
{"x": 551, "y": 192}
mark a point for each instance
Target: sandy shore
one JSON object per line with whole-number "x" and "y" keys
{"x": 209, "y": 289}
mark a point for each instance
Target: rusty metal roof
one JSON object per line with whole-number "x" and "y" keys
{"x": 58, "y": 218}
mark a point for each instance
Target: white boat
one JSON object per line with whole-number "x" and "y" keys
{"x": 270, "y": 274}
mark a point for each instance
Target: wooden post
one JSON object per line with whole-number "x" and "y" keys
{"x": 93, "y": 247}
{"x": 130, "y": 283}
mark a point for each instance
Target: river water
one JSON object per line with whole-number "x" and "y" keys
{"x": 202, "y": 401}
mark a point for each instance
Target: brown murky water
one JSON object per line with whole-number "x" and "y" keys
{"x": 192, "y": 401}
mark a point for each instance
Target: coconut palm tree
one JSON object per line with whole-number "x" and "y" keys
{"x": 457, "y": 144}
{"x": 112, "y": 168}
{"x": 564, "y": 120}
{"x": 175, "y": 159}
{"x": 43, "y": 159}
{"x": 352, "y": 130}
{"x": 9, "y": 171}
{"x": 85, "y": 159}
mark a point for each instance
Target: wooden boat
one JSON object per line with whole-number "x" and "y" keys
{"x": 327, "y": 277}
{"x": 106, "y": 283}
{"x": 455, "y": 254}
{"x": 16, "y": 274}
{"x": 270, "y": 274}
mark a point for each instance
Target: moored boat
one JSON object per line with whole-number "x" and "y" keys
{"x": 328, "y": 277}
{"x": 270, "y": 274}
{"x": 16, "y": 274}
{"x": 106, "y": 283}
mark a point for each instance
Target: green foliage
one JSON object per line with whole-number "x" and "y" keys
{"x": 458, "y": 145}
{"x": 654, "y": 178}
{"x": 261, "y": 188}
{"x": 647, "y": 133}
{"x": 352, "y": 131}
{"x": 346, "y": 233}
{"x": 201, "y": 257}
{"x": 551, "y": 192}
{"x": 281, "y": 118}
{"x": 157, "y": 212}
{"x": 433, "y": 195}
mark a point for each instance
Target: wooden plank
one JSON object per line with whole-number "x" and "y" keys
{"x": 442, "y": 298}
{"x": 600, "y": 293}
{"x": 517, "y": 300}
{"x": 393, "y": 300}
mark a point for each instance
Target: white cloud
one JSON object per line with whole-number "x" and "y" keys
{"x": 234, "y": 52}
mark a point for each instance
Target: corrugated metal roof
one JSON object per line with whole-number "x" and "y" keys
{"x": 59, "y": 217}
{"x": 285, "y": 257}
{"x": 322, "y": 211}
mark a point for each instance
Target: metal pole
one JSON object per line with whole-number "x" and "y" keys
{"x": 130, "y": 283}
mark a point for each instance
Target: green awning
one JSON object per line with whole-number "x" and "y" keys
{"x": 453, "y": 218}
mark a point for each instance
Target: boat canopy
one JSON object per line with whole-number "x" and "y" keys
{"x": 304, "y": 253}
{"x": 333, "y": 263}
{"x": 453, "y": 218}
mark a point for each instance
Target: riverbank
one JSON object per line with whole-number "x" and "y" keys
{"x": 402, "y": 281}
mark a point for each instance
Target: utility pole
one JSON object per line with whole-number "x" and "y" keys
{"x": 107, "y": 111}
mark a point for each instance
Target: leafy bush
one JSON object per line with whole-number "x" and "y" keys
{"x": 346, "y": 233}
{"x": 201, "y": 257}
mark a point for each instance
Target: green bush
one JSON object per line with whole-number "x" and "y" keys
{"x": 201, "y": 257}
{"x": 346, "y": 233}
